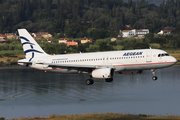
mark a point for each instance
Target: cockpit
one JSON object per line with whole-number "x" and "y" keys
{"x": 163, "y": 54}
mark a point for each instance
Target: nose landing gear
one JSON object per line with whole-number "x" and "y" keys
{"x": 153, "y": 73}
{"x": 154, "y": 78}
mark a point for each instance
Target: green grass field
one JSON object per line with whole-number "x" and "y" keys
{"x": 15, "y": 52}
{"x": 104, "y": 116}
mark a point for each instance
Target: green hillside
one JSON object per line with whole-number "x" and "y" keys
{"x": 86, "y": 18}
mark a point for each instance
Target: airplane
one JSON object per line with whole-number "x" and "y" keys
{"x": 99, "y": 65}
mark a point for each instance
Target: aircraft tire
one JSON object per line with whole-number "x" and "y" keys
{"x": 89, "y": 82}
{"x": 154, "y": 78}
{"x": 109, "y": 80}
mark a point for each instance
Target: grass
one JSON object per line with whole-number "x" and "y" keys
{"x": 103, "y": 116}
{"x": 12, "y": 58}
{"x": 15, "y": 52}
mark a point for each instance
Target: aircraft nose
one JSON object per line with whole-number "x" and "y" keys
{"x": 173, "y": 60}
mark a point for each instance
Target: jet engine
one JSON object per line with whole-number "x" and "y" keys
{"x": 133, "y": 72}
{"x": 103, "y": 73}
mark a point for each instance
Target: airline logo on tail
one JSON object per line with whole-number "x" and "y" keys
{"x": 29, "y": 50}
{"x": 31, "y": 44}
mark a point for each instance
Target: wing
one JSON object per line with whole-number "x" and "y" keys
{"x": 77, "y": 66}
{"x": 81, "y": 67}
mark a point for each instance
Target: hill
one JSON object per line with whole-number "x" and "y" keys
{"x": 87, "y": 18}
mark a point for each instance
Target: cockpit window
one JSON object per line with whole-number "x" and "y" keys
{"x": 166, "y": 54}
{"x": 163, "y": 54}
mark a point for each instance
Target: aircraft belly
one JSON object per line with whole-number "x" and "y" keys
{"x": 120, "y": 68}
{"x": 64, "y": 71}
{"x": 147, "y": 66}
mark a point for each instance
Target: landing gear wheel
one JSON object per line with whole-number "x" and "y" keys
{"x": 153, "y": 73}
{"x": 154, "y": 78}
{"x": 92, "y": 81}
{"x": 89, "y": 82}
{"x": 109, "y": 80}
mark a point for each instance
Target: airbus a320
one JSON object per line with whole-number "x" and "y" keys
{"x": 100, "y": 65}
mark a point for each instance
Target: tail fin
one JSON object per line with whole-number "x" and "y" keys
{"x": 30, "y": 46}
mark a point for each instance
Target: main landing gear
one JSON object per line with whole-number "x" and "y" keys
{"x": 109, "y": 80}
{"x": 153, "y": 73}
{"x": 89, "y": 81}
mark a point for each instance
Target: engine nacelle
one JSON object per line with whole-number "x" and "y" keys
{"x": 133, "y": 72}
{"x": 103, "y": 73}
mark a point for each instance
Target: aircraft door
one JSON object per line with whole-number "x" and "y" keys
{"x": 45, "y": 61}
{"x": 148, "y": 56}
{"x": 107, "y": 59}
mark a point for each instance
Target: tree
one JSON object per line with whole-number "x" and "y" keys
{"x": 140, "y": 14}
{"x": 28, "y": 9}
{"x": 129, "y": 3}
{"x": 122, "y": 19}
{"x": 114, "y": 11}
{"x": 95, "y": 33}
{"x": 48, "y": 7}
{"x": 133, "y": 10}
{"x": 69, "y": 33}
{"x": 81, "y": 48}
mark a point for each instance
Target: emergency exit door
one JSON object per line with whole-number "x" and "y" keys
{"x": 148, "y": 56}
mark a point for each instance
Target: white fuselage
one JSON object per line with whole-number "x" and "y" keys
{"x": 125, "y": 60}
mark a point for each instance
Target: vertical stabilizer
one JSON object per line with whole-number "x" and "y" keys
{"x": 30, "y": 46}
